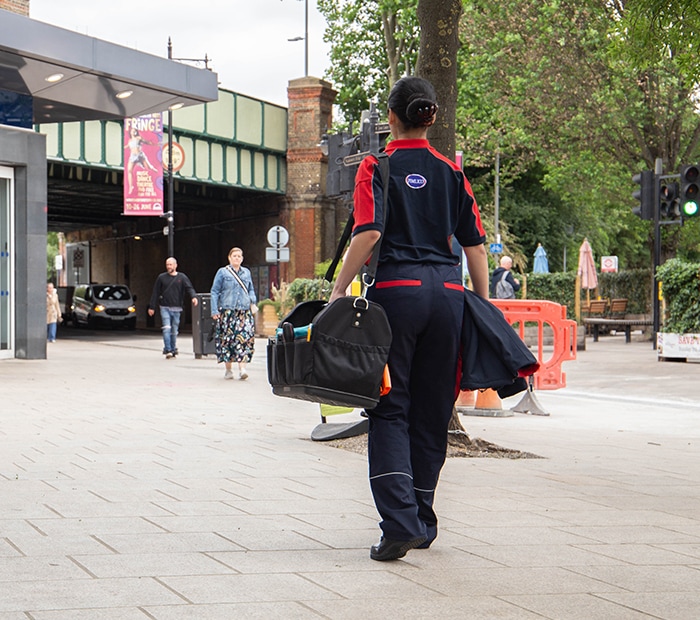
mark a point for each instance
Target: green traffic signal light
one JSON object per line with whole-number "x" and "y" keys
{"x": 690, "y": 208}
{"x": 690, "y": 190}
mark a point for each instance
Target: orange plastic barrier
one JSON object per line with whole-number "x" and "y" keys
{"x": 541, "y": 312}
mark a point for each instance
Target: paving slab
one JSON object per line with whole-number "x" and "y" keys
{"x": 134, "y": 487}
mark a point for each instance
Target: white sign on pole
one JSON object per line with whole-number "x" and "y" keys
{"x": 277, "y": 255}
{"x": 277, "y": 236}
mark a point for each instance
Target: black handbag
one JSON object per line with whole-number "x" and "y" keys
{"x": 335, "y": 353}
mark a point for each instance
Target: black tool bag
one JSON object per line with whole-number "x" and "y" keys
{"x": 333, "y": 353}
{"x": 335, "y": 356}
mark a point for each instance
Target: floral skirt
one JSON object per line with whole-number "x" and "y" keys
{"x": 235, "y": 336}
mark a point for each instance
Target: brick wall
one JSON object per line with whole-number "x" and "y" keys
{"x": 16, "y": 6}
{"x": 309, "y": 216}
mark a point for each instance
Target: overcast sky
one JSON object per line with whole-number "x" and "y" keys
{"x": 245, "y": 40}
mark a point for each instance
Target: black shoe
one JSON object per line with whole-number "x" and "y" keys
{"x": 426, "y": 544}
{"x": 393, "y": 549}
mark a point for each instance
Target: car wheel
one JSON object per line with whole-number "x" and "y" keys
{"x": 131, "y": 325}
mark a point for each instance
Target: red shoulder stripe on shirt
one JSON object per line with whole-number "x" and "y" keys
{"x": 467, "y": 187}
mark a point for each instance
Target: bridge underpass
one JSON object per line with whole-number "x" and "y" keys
{"x": 230, "y": 190}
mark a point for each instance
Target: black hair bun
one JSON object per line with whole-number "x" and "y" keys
{"x": 421, "y": 111}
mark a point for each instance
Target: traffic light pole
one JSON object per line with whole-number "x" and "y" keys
{"x": 657, "y": 247}
{"x": 680, "y": 200}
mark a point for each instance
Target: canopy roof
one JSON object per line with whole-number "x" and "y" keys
{"x": 91, "y": 76}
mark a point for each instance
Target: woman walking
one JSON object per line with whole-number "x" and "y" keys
{"x": 53, "y": 312}
{"x": 419, "y": 285}
{"x": 233, "y": 305}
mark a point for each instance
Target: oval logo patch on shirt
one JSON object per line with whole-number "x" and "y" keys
{"x": 416, "y": 181}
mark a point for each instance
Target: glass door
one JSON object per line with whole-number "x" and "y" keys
{"x": 7, "y": 323}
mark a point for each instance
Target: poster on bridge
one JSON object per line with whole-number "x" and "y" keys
{"x": 143, "y": 166}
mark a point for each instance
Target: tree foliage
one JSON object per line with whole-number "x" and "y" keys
{"x": 373, "y": 43}
{"x": 664, "y": 28}
{"x": 681, "y": 287}
{"x": 575, "y": 95}
{"x": 557, "y": 82}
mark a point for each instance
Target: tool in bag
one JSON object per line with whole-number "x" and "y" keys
{"x": 335, "y": 353}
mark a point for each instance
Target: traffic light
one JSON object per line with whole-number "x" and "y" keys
{"x": 669, "y": 203}
{"x": 689, "y": 198}
{"x": 644, "y": 195}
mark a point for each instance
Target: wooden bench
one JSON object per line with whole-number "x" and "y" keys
{"x": 626, "y": 324}
{"x": 618, "y": 308}
{"x": 597, "y": 307}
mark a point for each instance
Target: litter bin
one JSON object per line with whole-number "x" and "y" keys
{"x": 201, "y": 325}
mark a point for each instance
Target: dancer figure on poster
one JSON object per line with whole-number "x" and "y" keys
{"x": 136, "y": 156}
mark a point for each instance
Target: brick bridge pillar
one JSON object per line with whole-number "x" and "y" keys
{"x": 16, "y": 6}
{"x": 309, "y": 216}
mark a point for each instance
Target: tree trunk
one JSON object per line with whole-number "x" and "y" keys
{"x": 437, "y": 63}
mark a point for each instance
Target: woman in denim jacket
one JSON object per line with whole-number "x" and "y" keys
{"x": 233, "y": 304}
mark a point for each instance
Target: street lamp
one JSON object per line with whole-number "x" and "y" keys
{"x": 305, "y": 38}
{"x": 171, "y": 192}
{"x": 170, "y": 213}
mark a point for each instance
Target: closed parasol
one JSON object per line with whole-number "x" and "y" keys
{"x": 541, "y": 264}
{"x": 586, "y": 266}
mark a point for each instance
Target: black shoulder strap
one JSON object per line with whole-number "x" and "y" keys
{"x": 383, "y": 160}
{"x": 170, "y": 283}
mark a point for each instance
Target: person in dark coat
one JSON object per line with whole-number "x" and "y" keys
{"x": 419, "y": 285}
{"x": 503, "y": 273}
{"x": 168, "y": 294}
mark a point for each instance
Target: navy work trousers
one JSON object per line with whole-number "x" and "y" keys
{"x": 408, "y": 428}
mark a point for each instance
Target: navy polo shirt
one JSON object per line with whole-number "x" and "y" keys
{"x": 430, "y": 200}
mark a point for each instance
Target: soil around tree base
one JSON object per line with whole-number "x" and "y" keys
{"x": 459, "y": 445}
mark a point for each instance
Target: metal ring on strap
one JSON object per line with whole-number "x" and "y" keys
{"x": 356, "y": 303}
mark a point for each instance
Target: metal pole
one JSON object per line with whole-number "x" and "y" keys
{"x": 373, "y": 135}
{"x": 658, "y": 171}
{"x": 171, "y": 192}
{"x": 277, "y": 248}
{"x": 497, "y": 195}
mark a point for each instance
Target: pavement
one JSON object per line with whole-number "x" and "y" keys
{"x": 134, "y": 487}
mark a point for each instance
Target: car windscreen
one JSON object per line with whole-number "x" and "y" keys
{"x": 111, "y": 292}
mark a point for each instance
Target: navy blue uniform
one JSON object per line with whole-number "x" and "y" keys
{"x": 419, "y": 284}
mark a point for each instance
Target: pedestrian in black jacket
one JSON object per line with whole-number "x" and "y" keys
{"x": 503, "y": 284}
{"x": 168, "y": 295}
